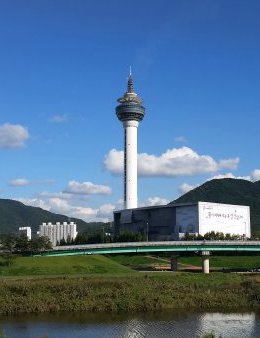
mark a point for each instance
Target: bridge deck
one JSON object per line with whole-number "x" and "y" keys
{"x": 145, "y": 247}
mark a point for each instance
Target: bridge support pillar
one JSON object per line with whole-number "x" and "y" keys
{"x": 174, "y": 263}
{"x": 205, "y": 261}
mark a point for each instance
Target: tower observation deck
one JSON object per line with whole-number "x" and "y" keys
{"x": 130, "y": 111}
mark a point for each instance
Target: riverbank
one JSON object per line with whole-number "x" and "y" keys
{"x": 131, "y": 292}
{"x": 115, "y": 264}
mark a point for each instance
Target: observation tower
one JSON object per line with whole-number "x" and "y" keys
{"x": 130, "y": 111}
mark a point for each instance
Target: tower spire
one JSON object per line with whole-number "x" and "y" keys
{"x": 130, "y": 84}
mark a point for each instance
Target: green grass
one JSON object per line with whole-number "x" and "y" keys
{"x": 113, "y": 264}
{"x": 247, "y": 262}
{"x": 131, "y": 292}
{"x": 67, "y": 265}
{"x": 139, "y": 261}
{"x": 98, "y": 283}
{"x": 142, "y": 261}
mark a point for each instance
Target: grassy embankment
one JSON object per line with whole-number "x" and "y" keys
{"x": 149, "y": 262}
{"x": 98, "y": 283}
{"x": 56, "y": 266}
{"x": 82, "y": 265}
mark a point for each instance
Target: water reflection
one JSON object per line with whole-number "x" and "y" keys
{"x": 232, "y": 325}
{"x": 152, "y": 325}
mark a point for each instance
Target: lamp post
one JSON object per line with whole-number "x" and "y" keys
{"x": 147, "y": 231}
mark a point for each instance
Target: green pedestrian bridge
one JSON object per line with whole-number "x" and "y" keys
{"x": 205, "y": 248}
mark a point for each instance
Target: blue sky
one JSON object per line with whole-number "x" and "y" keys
{"x": 63, "y": 64}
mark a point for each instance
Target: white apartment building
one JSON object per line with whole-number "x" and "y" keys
{"x": 57, "y": 232}
{"x": 27, "y": 231}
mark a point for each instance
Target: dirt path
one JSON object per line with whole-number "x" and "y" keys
{"x": 180, "y": 265}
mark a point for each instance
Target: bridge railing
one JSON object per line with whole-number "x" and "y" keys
{"x": 178, "y": 244}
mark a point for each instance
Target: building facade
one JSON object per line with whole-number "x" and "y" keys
{"x": 57, "y": 232}
{"x": 27, "y": 231}
{"x": 172, "y": 221}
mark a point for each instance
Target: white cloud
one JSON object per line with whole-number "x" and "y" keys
{"x": 231, "y": 163}
{"x": 185, "y": 187}
{"x": 103, "y": 213}
{"x": 174, "y": 162}
{"x": 152, "y": 201}
{"x": 61, "y": 195}
{"x": 59, "y": 118}
{"x": 255, "y": 175}
{"x": 229, "y": 175}
{"x": 72, "y": 202}
{"x": 19, "y": 182}
{"x": 62, "y": 206}
{"x": 114, "y": 161}
{"x": 106, "y": 210}
{"x": 119, "y": 204}
{"x": 13, "y": 135}
{"x": 180, "y": 139}
{"x": 86, "y": 188}
{"x": 35, "y": 202}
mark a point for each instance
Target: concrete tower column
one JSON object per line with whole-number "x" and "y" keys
{"x": 174, "y": 263}
{"x": 130, "y": 164}
{"x": 130, "y": 111}
{"x": 205, "y": 261}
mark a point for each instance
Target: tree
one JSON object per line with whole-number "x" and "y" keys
{"x": 44, "y": 243}
{"x": 39, "y": 244}
{"x": 62, "y": 242}
{"x": 255, "y": 235}
{"x": 22, "y": 243}
{"x": 69, "y": 240}
{"x": 129, "y": 236}
{"x": 8, "y": 259}
{"x": 192, "y": 237}
{"x": 189, "y": 237}
{"x": 215, "y": 236}
{"x": 9, "y": 243}
{"x": 81, "y": 238}
{"x": 97, "y": 237}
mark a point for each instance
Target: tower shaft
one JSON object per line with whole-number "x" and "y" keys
{"x": 130, "y": 111}
{"x": 130, "y": 164}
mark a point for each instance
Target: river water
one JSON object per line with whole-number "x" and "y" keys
{"x": 152, "y": 325}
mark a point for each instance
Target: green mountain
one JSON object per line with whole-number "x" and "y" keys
{"x": 14, "y": 214}
{"x": 228, "y": 191}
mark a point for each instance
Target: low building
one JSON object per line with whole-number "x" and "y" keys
{"x": 172, "y": 221}
{"x": 57, "y": 232}
{"x": 27, "y": 231}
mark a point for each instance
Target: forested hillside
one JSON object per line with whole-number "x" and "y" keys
{"x": 229, "y": 191}
{"x": 14, "y": 214}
